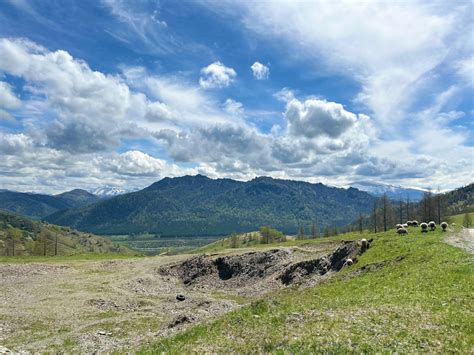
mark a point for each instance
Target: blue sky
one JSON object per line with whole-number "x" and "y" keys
{"x": 124, "y": 93}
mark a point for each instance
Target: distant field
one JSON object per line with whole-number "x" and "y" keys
{"x": 150, "y": 244}
{"x": 458, "y": 218}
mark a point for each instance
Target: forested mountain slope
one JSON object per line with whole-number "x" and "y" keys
{"x": 197, "y": 205}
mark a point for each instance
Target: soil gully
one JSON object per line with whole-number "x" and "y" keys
{"x": 258, "y": 272}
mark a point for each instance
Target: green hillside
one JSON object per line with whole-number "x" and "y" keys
{"x": 410, "y": 294}
{"x": 197, "y": 205}
{"x": 20, "y": 236}
{"x": 38, "y": 206}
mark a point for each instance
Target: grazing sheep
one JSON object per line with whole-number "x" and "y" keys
{"x": 398, "y": 226}
{"x": 424, "y": 227}
{"x": 444, "y": 225}
{"x": 349, "y": 262}
{"x": 432, "y": 225}
{"x": 414, "y": 223}
{"x": 409, "y": 223}
{"x": 405, "y": 225}
{"x": 402, "y": 231}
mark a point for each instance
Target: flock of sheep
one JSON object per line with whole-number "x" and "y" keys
{"x": 402, "y": 228}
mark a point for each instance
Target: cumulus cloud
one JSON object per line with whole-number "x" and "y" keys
{"x": 260, "y": 71}
{"x": 314, "y": 118}
{"x": 216, "y": 75}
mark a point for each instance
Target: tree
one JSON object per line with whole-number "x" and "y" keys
{"x": 314, "y": 231}
{"x": 408, "y": 208}
{"x": 439, "y": 205}
{"x": 301, "y": 235}
{"x": 400, "y": 211}
{"x": 375, "y": 216}
{"x": 13, "y": 236}
{"x": 234, "y": 241}
{"x": 467, "y": 222}
{"x": 43, "y": 239}
{"x": 385, "y": 207}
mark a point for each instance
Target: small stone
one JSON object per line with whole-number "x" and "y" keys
{"x": 180, "y": 297}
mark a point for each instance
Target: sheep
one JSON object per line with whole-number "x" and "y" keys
{"x": 402, "y": 231}
{"x": 444, "y": 225}
{"x": 348, "y": 262}
{"x": 405, "y": 225}
{"x": 409, "y": 223}
{"x": 414, "y": 223}
{"x": 424, "y": 227}
{"x": 398, "y": 226}
{"x": 432, "y": 225}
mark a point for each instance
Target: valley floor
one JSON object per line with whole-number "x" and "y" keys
{"x": 405, "y": 294}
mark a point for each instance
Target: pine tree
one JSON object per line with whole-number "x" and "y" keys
{"x": 314, "y": 231}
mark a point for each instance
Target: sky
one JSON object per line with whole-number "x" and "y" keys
{"x": 124, "y": 93}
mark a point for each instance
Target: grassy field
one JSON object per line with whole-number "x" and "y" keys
{"x": 458, "y": 219}
{"x": 150, "y": 244}
{"x": 406, "y": 294}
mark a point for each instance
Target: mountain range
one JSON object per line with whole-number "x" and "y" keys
{"x": 197, "y": 205}
{"x": 392, "y": 191}
{"x": 38, "y": 206}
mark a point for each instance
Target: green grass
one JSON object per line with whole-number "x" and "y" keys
{"x": 458, "y": 218}
{"x": 406, "y": 294}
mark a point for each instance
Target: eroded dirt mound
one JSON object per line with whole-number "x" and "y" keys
{"x": 349, "y": 251}
{"x": 245, "y": 266}
{"x": 258, "y": 272}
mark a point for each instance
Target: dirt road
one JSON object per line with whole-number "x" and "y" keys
{"x": 464, "y": 239}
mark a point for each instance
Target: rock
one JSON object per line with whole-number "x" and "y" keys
{"x": 180, "y": 297}
{"x": 181, "y": 319}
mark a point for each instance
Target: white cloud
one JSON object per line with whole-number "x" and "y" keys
{"x": 216, "y": 75}
{"x": 8, "y": 99}
{"x": 314, "y": 118}
{"x": 260, "y": 71}
{"x": 233, "y": 107}
{"x": 387, "y": 48}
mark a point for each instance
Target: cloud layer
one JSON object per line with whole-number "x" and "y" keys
{"x": 64, "y": 123}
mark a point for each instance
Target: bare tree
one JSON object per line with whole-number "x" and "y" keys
{"x": 400, "y": 211}
{"x": 408, "y": 207}
{"x": 375, "y": 216}
{"x": 314, "y": 231}
{"x": 385, "y": 204}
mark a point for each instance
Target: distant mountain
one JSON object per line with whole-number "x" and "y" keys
{"x": 38, "y": 206}
{"x": 392, "y": 191}
{"x": 108, "y": 191}
{"x": 197, "y": 205}
{"x": 30, "y": 240}
{"x": 78, "y": 198}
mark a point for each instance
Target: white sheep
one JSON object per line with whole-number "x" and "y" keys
{"x": 402, "y": 231}
{"x": 444, "y": 225}
{"x": 414, "y": 223}
{"x": 398, "y": 226}
{"x": 432, "y": 225}
{"x": 409, "y": 223}
{"x": 405, "y": 225}
{"x": 349, "y": 262}
{"x": 424, "y": 227}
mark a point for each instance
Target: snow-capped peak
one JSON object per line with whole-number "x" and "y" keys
{"x": 108, "y": 191}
